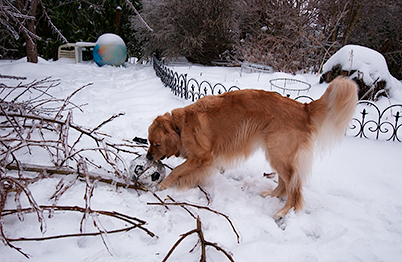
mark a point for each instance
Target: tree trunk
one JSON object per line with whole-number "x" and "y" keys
{"x": 31, "y": 47}
{"x": 351, "y": 20}
{"x": 30, "y": 40}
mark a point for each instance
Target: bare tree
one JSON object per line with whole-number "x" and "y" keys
{"x": 296, "y": 35}
{"x": 380, "y": 28}
{"x": 280, "y": 34}
{"x": 19, "y": 17}
{"x": 198, "y": 30}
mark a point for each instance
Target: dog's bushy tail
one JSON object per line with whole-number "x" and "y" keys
{"x": 332, "y": 113}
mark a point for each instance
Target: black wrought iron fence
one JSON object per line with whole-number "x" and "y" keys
{"x": 190, "y": 89}
{"x": 369, "y": 120}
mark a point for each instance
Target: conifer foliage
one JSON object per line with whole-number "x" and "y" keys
{"x": 57, "y": 22}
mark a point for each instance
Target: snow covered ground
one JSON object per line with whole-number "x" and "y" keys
{"x": 353, "y": 209}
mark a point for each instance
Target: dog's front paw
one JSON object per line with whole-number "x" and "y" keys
{"x": 164, "y": 184}
{"x": 161, "y": 186}
{"x": 266, "y": 193}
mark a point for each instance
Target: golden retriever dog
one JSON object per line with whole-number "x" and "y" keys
{"x": 219, "y": 130}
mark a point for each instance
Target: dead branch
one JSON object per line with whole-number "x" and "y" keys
{"x": 133, "y": 221}
{"x": 204, "y": 243}
{"x": 183, "y": 204}
{"x": 89, "y": 189}
{"x": 83, "y": 131}
{"x": 67, "y": 100}
{"x": 13, "y": 77}
{"x": 69, "y": 171}
{"x": 45, "y": 122}
{"x": 126, "y": 229}
{"x": 160, "y": 200}
{"x": 184, "y": 207}
{"x": 207, "y": 196}
{"x": 31, "y": 199}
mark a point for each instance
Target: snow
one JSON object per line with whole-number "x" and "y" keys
{"x": 371, "y": 65}
{"x": 110, "y": 39}
{"x": 353, "y": 209}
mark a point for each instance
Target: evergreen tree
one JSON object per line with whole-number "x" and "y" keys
{"x": 78, "y": 20}
{"x": 85, "y": 21}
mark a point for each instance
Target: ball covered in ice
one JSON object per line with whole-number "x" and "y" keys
{"x": 110, "y": 49}
{"x": 149, "y": 173}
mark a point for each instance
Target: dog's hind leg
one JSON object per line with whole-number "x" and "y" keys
{"x": 289, "y": 184}
{"x": 295, "y": 200}
{"x": 279, "y": 191}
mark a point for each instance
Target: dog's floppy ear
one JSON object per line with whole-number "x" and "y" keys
{"x": 171, "y": 141}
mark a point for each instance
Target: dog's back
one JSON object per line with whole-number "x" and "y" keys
{"x": 238, "y": 122}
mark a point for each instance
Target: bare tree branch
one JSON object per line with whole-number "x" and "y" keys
{"x": 139, "y": 16}
{"x": 204, "y": 244}
{"x": 184, "y": 204}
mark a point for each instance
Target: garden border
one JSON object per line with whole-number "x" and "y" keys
{"x": 372, "y": 123}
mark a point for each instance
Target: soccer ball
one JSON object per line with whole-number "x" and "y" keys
{"x": 149, "y": 173}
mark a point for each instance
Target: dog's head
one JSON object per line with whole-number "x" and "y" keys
{"x": 163, "y": 138}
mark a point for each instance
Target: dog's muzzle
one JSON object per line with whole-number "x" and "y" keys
{"x": 150, "y": 157}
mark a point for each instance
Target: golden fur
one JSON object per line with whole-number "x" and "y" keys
{"x": 218, "y": 130}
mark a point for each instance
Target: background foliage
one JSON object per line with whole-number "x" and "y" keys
{"x": 289, "y": 35}
{"x": 77, "y": 21}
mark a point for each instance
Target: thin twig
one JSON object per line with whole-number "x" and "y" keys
{"x": 126, "y": 229}
{"x": 31, "y": 199}
{"x": 202, "y": 240}
{"x": 67, "y": 100}
{"x": 200, "y": 207}
{"x": 207, "y": 196}
{"x": 184, "y": 207}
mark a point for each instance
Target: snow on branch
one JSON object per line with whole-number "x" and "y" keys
{"x": 54, "y": 28}
{"x": 138, "y": 14}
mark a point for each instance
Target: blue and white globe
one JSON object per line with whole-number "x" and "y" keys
{"x": 110, "y": 49}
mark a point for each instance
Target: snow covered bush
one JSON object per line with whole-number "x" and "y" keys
{"x": 366, "y": 66}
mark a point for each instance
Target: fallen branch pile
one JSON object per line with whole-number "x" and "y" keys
{"x": 34, "y": 122}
